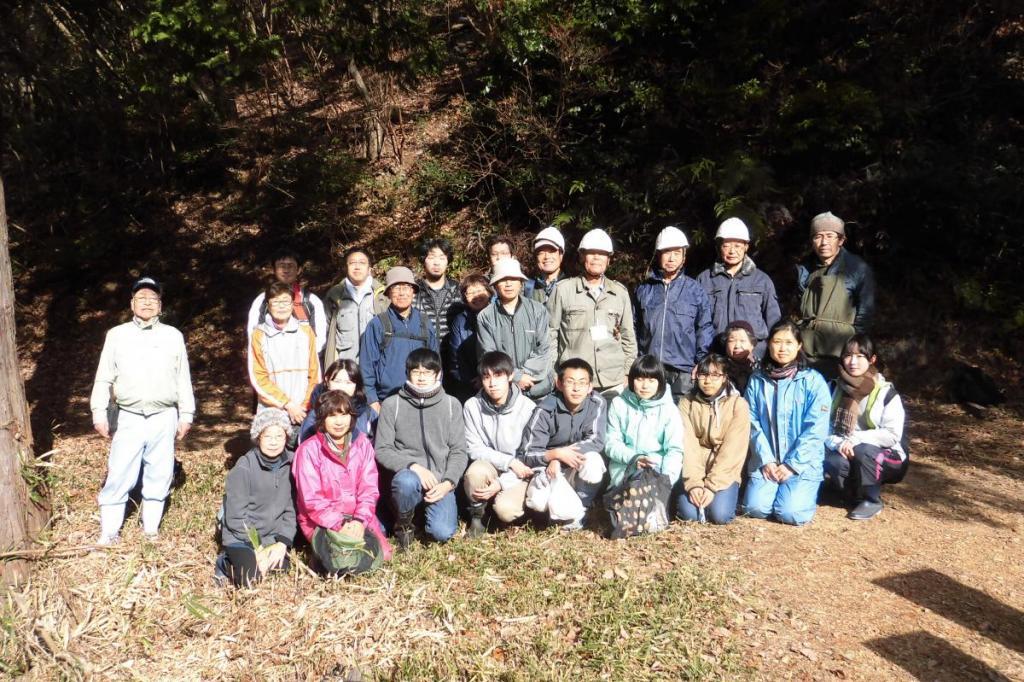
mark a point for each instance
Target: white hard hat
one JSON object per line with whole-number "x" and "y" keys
{"x": 596, "y": 240}
{"x": 733, "y": 228}
{"x": 671, "y": 238}
{"x": 507, "y": 268}
{"x": 550, "y": 235}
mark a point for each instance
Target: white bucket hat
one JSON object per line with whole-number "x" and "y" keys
{"x": 507, "y": 268}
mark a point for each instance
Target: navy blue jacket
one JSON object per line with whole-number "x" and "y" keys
{"x": 384, "y": 371}
{"x": 460, "y": 348}
{"x": 750, "y": 296}
{"x": 674, "y": 321}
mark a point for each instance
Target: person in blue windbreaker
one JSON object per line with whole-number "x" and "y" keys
{"x": 789, "y": 421}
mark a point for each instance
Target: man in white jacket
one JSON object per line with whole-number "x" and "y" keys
{"x": 495, "y": 418}
{"x": 144, "y": 367}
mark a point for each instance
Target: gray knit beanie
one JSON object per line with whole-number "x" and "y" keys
{"x": 828, "y": 222}
{"x": 272, "y": 416}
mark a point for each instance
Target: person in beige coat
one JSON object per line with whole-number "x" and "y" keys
{"x": 591, "y": 318}
{"x": 716, "y": 434}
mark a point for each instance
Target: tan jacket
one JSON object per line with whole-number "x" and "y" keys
{"x": 715, "y": 441}
{"x": 574, "y": 314}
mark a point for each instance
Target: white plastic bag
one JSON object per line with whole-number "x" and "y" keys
{"x": 593, "y": 468}
{"x": 538, "y": 492}
{"x": 508, "y": 479}
{"x": 563, "y": 502}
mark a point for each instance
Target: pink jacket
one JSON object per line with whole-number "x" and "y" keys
{"x": 328, "y": 491}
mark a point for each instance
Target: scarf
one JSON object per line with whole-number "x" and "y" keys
{"x": 740, "y": 369}
{"x": 776, "y": 373}
{"x": 425, "y": 393}
{"x": 339, "y": 450}
{"x": 854, "y": 389}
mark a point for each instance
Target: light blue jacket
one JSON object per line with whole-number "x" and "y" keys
{"x": 800, "y": 408}
{"x": 649, "y": 427}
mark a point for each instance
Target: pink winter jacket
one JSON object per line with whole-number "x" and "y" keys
{"x": 328, "y": 491}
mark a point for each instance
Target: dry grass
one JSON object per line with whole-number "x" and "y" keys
{"x": 522, "y": 604}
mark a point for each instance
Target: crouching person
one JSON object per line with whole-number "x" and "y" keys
{"x": 337, "y": 493}
{"x": 421, "y": 439}
{"x": 495, "y": 418}
{"x": 259, "y": 516}
{"x": 567, "y": 430}
{"x": 716, "y": 435}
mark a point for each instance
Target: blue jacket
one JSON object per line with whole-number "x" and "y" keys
{"x": 801, "y": 408}
{"x": 552, "y": 425}
{"x": 674, "y": 321}
{"x": 366, "y": 422}
{"x": 384, "y": 371}
{"x": 460, "y": 357}
{"x": 859, "y": 279}
{"x": 750, "y": 296}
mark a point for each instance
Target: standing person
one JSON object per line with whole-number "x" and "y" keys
{"x": 716, "y": 436}
{"x": 739, "y": 345}
{"x": 460, "y": 367}
{"x": 674, "y": 313}
{"x": 789, "y": 406}
{"x": 351, "y": 304}
{"x": 495, "y": 418}
{"x": 548, "y": 250}
{"x": 258, "y": 498}
{"x": 391, "y": 336}
{"x": 437, "y": 295}
{"x": 644, "y": 422}
{"x": 144, "y": 366}
{"x": 336, "y": 491}
{"x": 567, "y": 429}
{"x": 421, "y": 440}
{"x": 498, "y": 248}
{"x": 865, "y": 447}
{"x": 837, "y": 294}
{"x": 518, "y": 327}
{"x": 591, "y": 318}
{"x": 283, "y": 365}
{"x": 306, "y": 306}
{"x": 737, "y": 288}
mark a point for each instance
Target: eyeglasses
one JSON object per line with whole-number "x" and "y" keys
{"x": 825, "y": 237}
{"x": 281, "y": 304}
{"x": 574, "y": 383}
{"x": 402, "y": 287}
{"x": 146, "y": 299}
{"x": 710, "y": 375}
{"x": 422, "y": 373}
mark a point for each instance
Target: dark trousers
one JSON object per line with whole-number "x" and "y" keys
{"x": 240, "y": 565}
{"x": 862, "y": 477}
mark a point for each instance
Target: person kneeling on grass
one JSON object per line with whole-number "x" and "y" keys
{"x": 716, "y": 435}
{"x": 259, "y": 515}
{"x": 337, "y": 493}
{"x": 644, "y": 425}
{"x": 865, "y": 449}
{"x": 344, "y": 376}
{"x": 495, "y": 418}
{"x": 421, "y": 439}
{"x": 789, "y": 405}
{"x": 568, "y": 428}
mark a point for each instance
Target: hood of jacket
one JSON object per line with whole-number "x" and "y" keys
{"x": 490, "y": 409}
{"x": 418, "y": 402}
{"x": 645, "y": 404}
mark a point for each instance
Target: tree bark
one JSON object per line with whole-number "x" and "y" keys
{"x": 20, "y": 517}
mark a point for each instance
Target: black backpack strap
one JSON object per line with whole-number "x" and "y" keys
{"x": 389, "y": 329}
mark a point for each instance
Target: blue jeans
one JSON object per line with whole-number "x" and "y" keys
{"x": 721, "y": 511}
{"x": 442, "y": 518}
{"x": 793, "y": 502}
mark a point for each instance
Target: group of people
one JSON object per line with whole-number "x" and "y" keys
{"x": 513, "y": 396}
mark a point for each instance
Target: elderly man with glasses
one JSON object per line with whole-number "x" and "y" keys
{"x": 142, "y": 398}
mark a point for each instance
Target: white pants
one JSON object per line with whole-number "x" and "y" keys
{"x": 146, "y": 442}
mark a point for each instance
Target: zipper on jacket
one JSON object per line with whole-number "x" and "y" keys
{"x": 664, "y": 314}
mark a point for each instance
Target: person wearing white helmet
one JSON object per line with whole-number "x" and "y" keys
{"x": 591, "y": 317}
{"x": 837, "y": 294}
{"x": 674, "y": 313}
{"x": 548, "y": 249}
{"x": 518, "y": 327}
{"x": 737, "y": 288}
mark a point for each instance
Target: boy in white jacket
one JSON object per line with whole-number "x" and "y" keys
{"x": 495, "y": 418}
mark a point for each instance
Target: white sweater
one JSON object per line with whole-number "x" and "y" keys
{"x": 887, "y": 419}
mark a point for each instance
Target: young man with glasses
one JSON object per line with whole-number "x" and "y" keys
{"x": 283, "y": 364}
{"x": 144, "y": 367}
{"x": 306, "y": 306}
{"x": 391, "y": 336}
{"x": 837, "y": 295}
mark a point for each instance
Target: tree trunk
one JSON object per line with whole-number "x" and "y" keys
{"x": 20, "y": 517}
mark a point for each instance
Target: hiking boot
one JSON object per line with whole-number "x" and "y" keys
{"x": 476, "y": 521}
{"x": 404, "y": 532}
{"x": 865, "y": 510}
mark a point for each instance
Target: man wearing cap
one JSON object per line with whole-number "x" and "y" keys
{"x": 674, "y": 313}
{"x": 391, "y": 336}
{"x": 549, "y": 249}
{"x": 591, "y": 317}
{"x": 518, "y": 327}
{"x": 351, "y": 304}
{"x": 737, "y": 288}
{"x": 837, "y": 294}
{"x": 144, "y": 365}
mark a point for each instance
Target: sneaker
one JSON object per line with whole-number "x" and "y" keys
{"x": 865, "y": 510}
{"x": 476, "y": 527}
{"x": 404, "y": 537}
{"x": 108, "y": 540}
{"x": 573, "y": 526}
